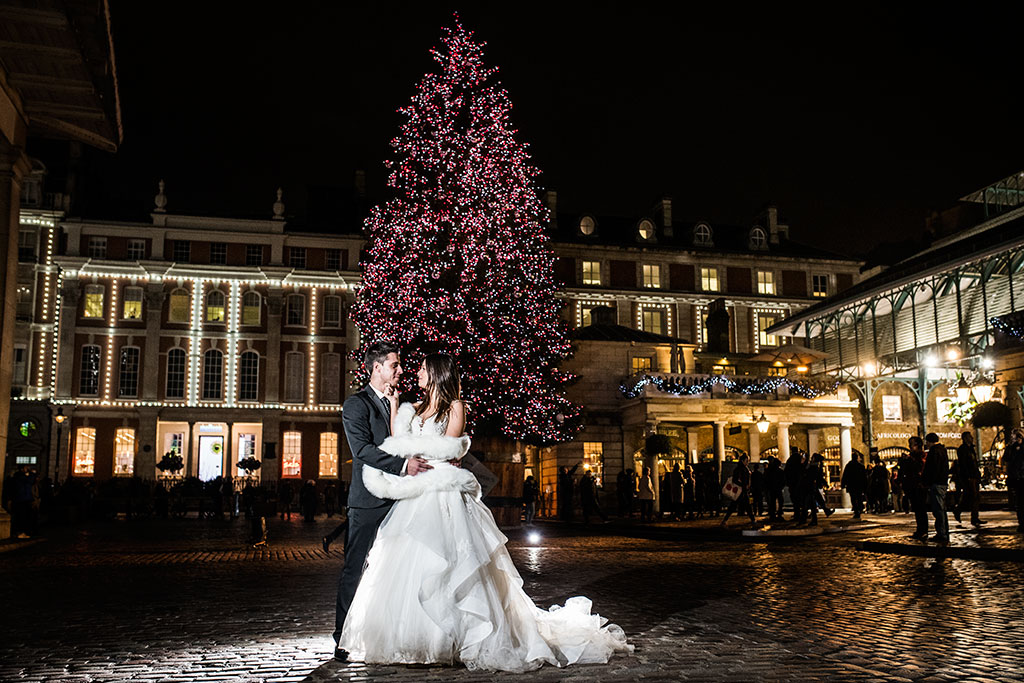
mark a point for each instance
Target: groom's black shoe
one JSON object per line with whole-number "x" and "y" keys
{"x": 327, "y": 544}
{"x": 340, "y": 655}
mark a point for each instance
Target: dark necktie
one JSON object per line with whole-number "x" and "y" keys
{"x": 387, "y": 404}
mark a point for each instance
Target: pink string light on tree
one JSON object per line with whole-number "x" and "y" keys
{"x": 457, "y": 261}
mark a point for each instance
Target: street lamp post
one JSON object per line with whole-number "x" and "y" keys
{"x": 59, "y": 417}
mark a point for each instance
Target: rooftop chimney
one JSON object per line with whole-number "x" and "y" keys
{"x": 770, "y": 217}
{"x": 663, "y": 212}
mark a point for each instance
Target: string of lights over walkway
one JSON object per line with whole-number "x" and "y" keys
{"x": 691, "y": 386}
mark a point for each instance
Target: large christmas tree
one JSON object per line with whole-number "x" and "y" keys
{"x": 458, "y": 260}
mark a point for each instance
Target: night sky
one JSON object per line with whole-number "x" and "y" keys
{"x": 856, "y": 124}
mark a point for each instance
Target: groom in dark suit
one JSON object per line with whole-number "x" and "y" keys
{"x": 366, "y": 416}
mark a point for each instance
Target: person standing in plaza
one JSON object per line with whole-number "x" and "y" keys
{"x": 674, "y": 484}
{"x": 878, "y": 485}
{"x": 775, "y": 480}
{"x": 794, "y": 473}
{"x": 811, "y": 484}
{"x": 968, "y": 479}
{"x": 646, "y": 496}
{"x": 936, "y": 481}
{"x": 741, "y": 477}
{"x": 565, "y": 492}
{"x": 307, "y": 501}
{"x": 911, "y": 475}
{"x": 21, "y": 498}
{"x": 689, "y": 493}
{"x": 531, "y": 491}
{"x": 757, "y": 488}
{"x": 855, "y": 481}
{"x": 588, "y": 498}
{"x": 1013, "y": 462}
{"x": 625, "y": 489}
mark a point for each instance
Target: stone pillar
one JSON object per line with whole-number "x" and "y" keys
{"x": 693, "y": 444}
{"x": 13, "y": 166}
{"x": 275, "y": 307}
{"x": 145, "y": 461}
{"x": 229, "y": 448}
{"x": 754, "y": 443}
{"x": 191, "y": 469}
{"x": 719, "y": 446}
{"x": 813, "y": 436}
{"x": 624, "y": 312}
{"x": 845, "y": 456}
{"x": 70, "y": 293}
{"x": 271, "y": 469}
{"x": 783, "y": 441}
{"x": 151, "y": 361}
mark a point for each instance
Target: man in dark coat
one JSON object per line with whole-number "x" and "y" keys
{"x": 588, "y": 498}
{"x": 936, "y": 481}
{"x": 741, "y": 477}
{"x": 912, "y": 482}
{"x": 855, "y": 481}
{"x": 794, "y": 472}
{"x": 675, "y": 492}
{"x": 775, "y": 480}
{"x": 968, "y": 479}
{"x": 1013, "y": 461}
{"x": 565, "y": 492}
{"x": 757, "y": 488}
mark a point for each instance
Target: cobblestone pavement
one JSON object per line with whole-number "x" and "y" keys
{"x": 185, "y": 600}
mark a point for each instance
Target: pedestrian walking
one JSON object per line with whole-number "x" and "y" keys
{"x": 878, "y": 486}
{"x": 741, "y": 477}
{"x": 689, "y": 493}
{"x": 812, "y": 482}
{"x": 646, "y": 496}
{"x": 21, "y": 498}
{"x": 936, "y": 480}
{"x": 794, "y": 472}
{"x": 565, "y": 492}
{"x": 855, "y": 481}
{"x": 588, "y": 498}
{"x": 757, "y": 488}
{"x": 1013, "y": 462}
{"x": 531, "y": 491}
{"x": 911, "y": 475}
{"x": 967, "y": 477}
{"x": 775, "y": 482}
{"x": 308, "y": 501}
{"x": 333, "y": 536}
{"x": 285, "y": 496}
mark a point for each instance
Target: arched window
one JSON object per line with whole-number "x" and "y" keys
{"x": 645, "y": 230}
{"x": 702, "y": 235}
{"x": 94, "y": 301}
{"x": 178, "y": 312}
{"x": 215, "y": 307}
{"x": 294, "y": 376}
{"x": 758, "y": 238}
{"x": 296, "y": 310}
{"x": 332, "y": 311}
{"x": 176, "y": 373}
{"x": 587, "y": 225}
{"x": 249, "y": 376}
{"x": 251, "y": 302}
{"x": 128, "y": 375}
{"x": 213, "y": 374}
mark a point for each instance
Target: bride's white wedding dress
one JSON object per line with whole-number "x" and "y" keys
{"x": 439, "y": 585}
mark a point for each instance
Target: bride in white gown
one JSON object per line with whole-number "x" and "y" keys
{"x": 439, "y": 586}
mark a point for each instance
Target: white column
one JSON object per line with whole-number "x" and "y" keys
{"x": 720, "y": 445}
{"x": 754, "y": 441}
{"x": 693, "y": 444}
{"x": 845, "y": 456}
{"x": 813, "y": 436}
{"x": 783, "y": 441}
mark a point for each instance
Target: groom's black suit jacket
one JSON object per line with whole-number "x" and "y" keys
{"x": 366, "y": 427}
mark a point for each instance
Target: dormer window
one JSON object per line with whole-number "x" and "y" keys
{"x": 645, "y": 230}
{"x": 758, "y": 238}
{"x": 587, "y": 225}
{"x": 702, "y": 235}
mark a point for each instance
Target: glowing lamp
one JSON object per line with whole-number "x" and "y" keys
{"x": 763, "y": 423}
{"x": 801, "y": 368}
{"x": 60, "y": 416}
{"x": 983, "y": 390}
{"x": 963, "y": 391}
{"x": 952, "y": 353}
{"x": 930, "y": 361}
{"x": 870, "y": 369}
{"x": 533, "y": 537}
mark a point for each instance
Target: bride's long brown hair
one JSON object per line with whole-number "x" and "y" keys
{"x": 442, "y": 383}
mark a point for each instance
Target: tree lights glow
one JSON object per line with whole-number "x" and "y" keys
{"x": 458, "y": 262}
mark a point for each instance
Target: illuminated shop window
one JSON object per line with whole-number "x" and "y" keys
{"x": 291, "y": 455}
{"x": 84, "y": 458}
{"x": 124, "y": 452}
{"x": 593, "y": 459}
{"x": 329, "y": 454}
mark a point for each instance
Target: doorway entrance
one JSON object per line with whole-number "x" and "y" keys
{"x": 211, "y": 457}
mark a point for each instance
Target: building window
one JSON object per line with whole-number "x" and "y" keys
{"x": 758, "y": 238}
{"x": 254, "y": 255}
{"x": 89, "y": 379}
{"x": 892, "y": 409}
{"x": 132, "y": 306}
{"x": 329, "y": 454}
{"x": 296, "y": 310}
{"x": 334, "y": 259}
{"x": 176, "y": 373}
{"x": 653, "y": 320}
{"x": 332, "y": 311}
{"x": 709, "y": 280}
{"x": 97, "y": 247}
{"x": 330, "y": 378}
{"x": 215, "y": 306}
{"x": 178, "y": 312}
{"x": 819, "y": 285}
{"x": 249, "y": 376}
{"x": 702, "y": 235}
{"x": 587, "y": 225}
{"x": 652, "y": 276}
{"x": 124, "y": 452}
{"x": 94, "y": 295}
{"x": 83, "y": 461}
{"x": 297, "y": 257}
{"x": 136, "y": 249}
{"x": 591, "y": 272}
{"x": 645, "y": 230}
{"x": 593, "y": 459}
{"x": 128, "y": 376}
{"x": 291, "y": 455}
{"x": 294, "y": 376}
{"x": 764, "y": 321}
{"x": 213, "y": 374}
{"x": 26, "y": 245}
{"x": 765, "y": 282}
{"x": 20, "y": 372}
{"x": 641, "y": 364}
{"x": 251, "y": 303}
{"x": 182, "y": 251}
{"x": 218, "y": 253}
